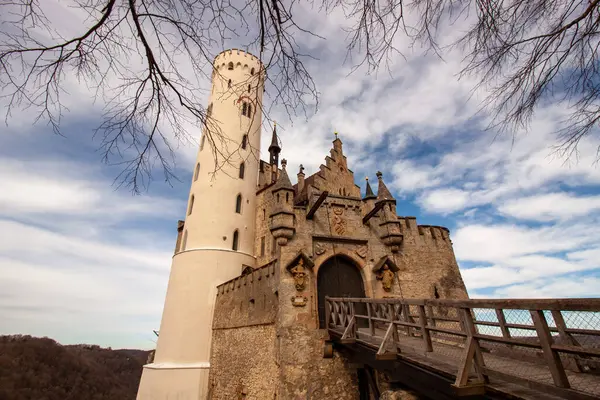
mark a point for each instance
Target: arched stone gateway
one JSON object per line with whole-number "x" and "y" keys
{"x": 338, "y": 277}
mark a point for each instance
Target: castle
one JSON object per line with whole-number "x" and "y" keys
{"x": 256, "y": 256}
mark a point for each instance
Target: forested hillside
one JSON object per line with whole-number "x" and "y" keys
{"x": 42, "y": 369}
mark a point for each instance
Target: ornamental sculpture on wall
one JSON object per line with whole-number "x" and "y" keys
{"x": 386, "y": 277}
{"x": 300, "y": 275}
{"x": 384, "y": 271}
{"x": 339, "y": 223}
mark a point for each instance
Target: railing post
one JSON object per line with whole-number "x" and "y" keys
{"x": 552, "y": 357}
{"x": 472, "y": 351}
{"x": 327, "y": 313}
{"x": 502, "y": 322}
{"x": 395, "y": 337}
{"x": 371, "y": 325}
{"x": 424, "y": 329}
{"x": 567, "y": 338}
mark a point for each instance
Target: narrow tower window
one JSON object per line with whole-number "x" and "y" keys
{"x": 249, "y": 113}
{"x": 184, "y": 241}
{"x": 287, "y": 197}
{"x": 262, "y": 246}
{"x": 244, "y": 108}
{"x": 202, "y": 142}
{"x": 234, "y": 245}
{"x": 230, "y": 66}
{"x": 209, "y": 110}
{"x": 196, "y": 172}
{"x": 229, "y": 83}
{"x": 242, "y": 170}
{"x": 238, "y": 204}
{"x": 244, "y": 141}
{"x": 249, "y": 87}
{"x": 191, "y": 207}
{"x": 252, "y": 71}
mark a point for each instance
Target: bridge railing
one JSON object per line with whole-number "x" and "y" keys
{"x": 551, "y": 344}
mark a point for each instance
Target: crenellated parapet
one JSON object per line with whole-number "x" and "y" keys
{"x": 249, "y": 299}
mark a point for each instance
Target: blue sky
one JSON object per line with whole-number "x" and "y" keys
{"x": 81, "y": 261}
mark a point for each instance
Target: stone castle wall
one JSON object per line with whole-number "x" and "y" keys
{"x": 243, "y": 357}
{"x": 278, "y": 337}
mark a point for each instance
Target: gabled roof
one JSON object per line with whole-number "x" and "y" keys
{"x": 385, "y": 260}
{"x": 283, "y": 182}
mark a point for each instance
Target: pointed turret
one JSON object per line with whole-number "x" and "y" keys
{"x": 283, "y": 182}
{"x": 382, "y": 191}
{"x": 369, "y": 193}
{"x": 391, "y": 233}
{"x": 274, "y": 151}
{"x": 282, "y": 217}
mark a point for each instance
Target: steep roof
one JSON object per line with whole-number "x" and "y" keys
{"x": 274, "y": 142}
{"x": 369, "y": 193}
{"x": 283, "y": 181}
{"x": 382, "y": 191}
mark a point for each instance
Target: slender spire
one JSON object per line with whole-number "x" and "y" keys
{"x": 382, "y": 191}
{"x": 274, "y": 151}
{"x": 369, "y": 194}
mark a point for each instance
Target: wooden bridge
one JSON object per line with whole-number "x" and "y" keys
{"x": 520, "y": 349}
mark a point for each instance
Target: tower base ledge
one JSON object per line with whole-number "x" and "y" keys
{"x": 170, "y": 365}
{"x": 181, "y": 381}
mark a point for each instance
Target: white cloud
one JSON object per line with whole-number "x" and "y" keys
{"x": 571, "y": 286}
{"x": 550, "y": 206}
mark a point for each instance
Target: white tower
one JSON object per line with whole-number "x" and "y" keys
{"x": 218, "y": 234}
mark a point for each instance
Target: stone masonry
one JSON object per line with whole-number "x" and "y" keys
{"x": 266, "y": 338}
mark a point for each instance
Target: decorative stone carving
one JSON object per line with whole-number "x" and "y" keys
{"x": 384, "y": 271}
{"x": 300, "y": 275}
{"x": 320, "y": 248}
{"x": 299, "y": 267}
{"x": 386, "y": 277}
{"x": 299, "y": 301}
{"x": 362, "y": 251}
{"x": 339, "y": 223}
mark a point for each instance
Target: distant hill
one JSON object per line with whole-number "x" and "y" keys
{"x": 42, "y": 369}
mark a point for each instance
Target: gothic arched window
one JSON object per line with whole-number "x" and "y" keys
{"x": 234, "y": 244}
{"x": 229, "y": 83}
{"x": 252, "y": 71}
{"x": 244, "y": 141}
{"x": 184, "y": 241}
{"x": 238, "y": 204}
{"x": 191, "y": 206}
{"x": 230, "y": 66}
{"x": 196, "y": 172}
{"x": 249, "y": 87}
{"x": 242, "y": 170}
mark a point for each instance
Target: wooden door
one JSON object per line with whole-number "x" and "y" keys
{"x": 338, "y": 277}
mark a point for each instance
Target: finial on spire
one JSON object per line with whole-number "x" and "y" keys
{"x": 369, "y": 194}
{"x": 283, "y": 163}
{"x": 379, "y": 175}
{"x": 301, "y": 169}
{"x": 336, "y": 134}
